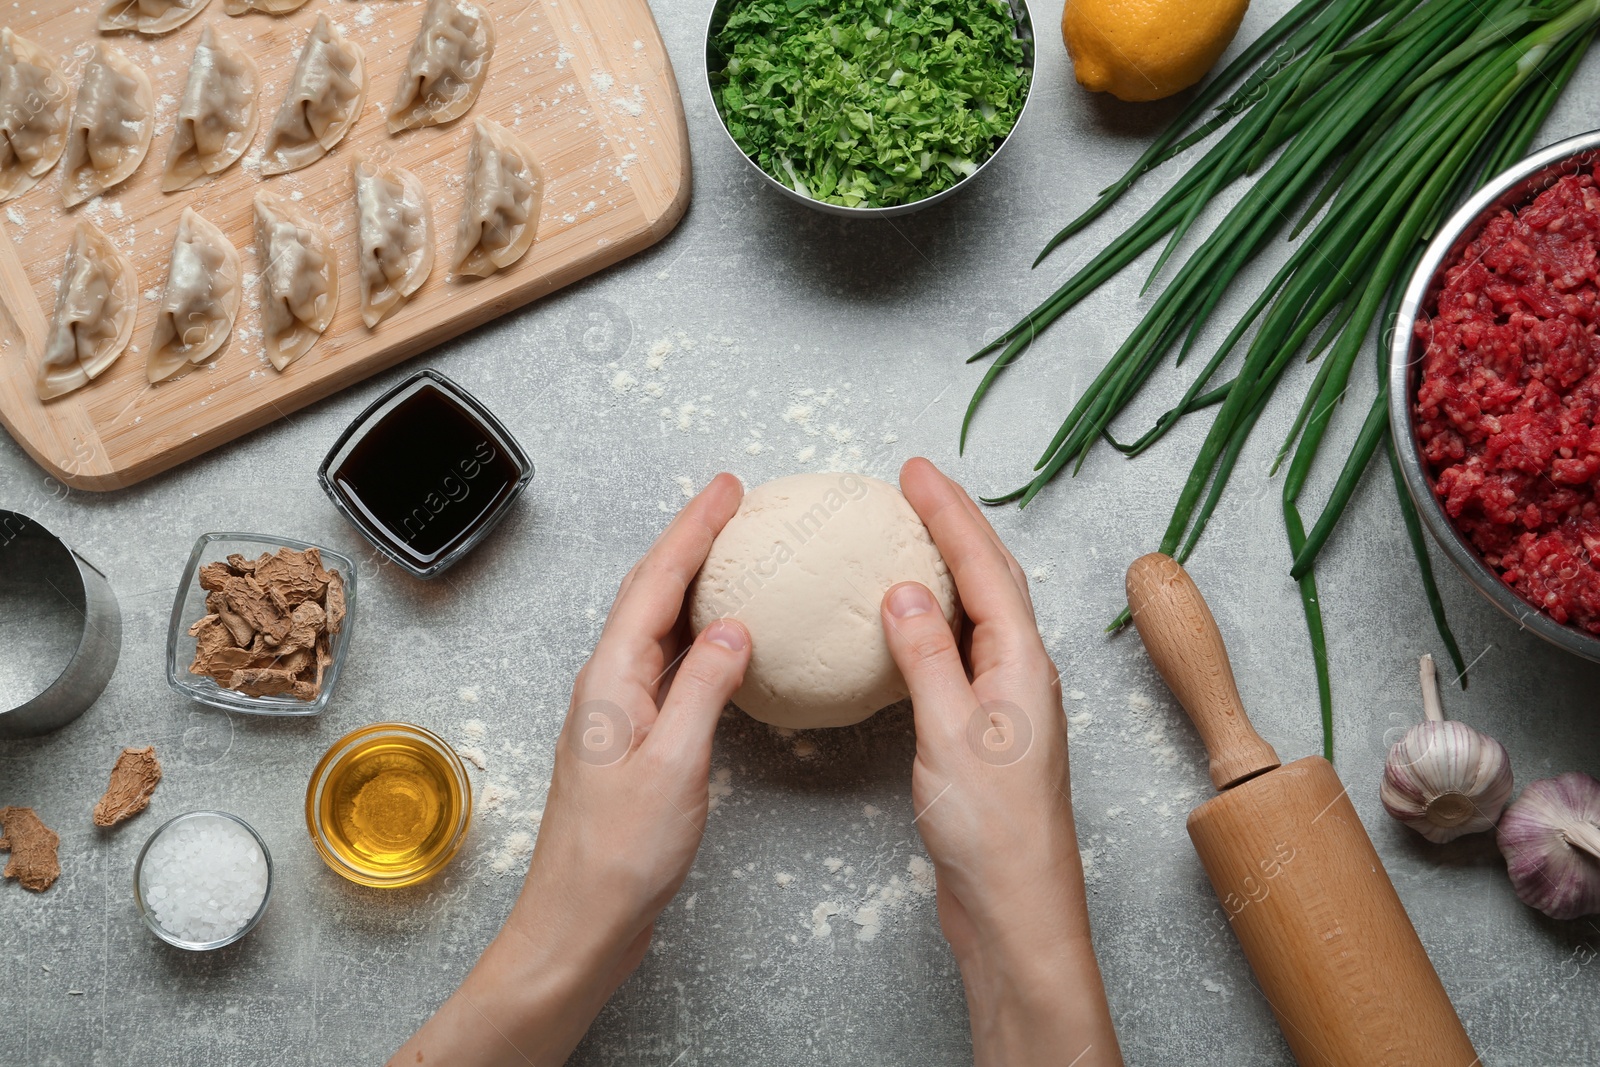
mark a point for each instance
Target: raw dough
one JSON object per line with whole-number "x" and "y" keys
{"x": 804, "y": 565}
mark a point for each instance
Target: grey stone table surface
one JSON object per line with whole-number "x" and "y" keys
{"x": 765, "y": 339}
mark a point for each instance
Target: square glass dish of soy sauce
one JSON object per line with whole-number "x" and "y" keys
{"x": 425, "y": 473}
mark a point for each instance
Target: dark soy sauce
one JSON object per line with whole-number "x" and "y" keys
{"x": 427, "y": 476}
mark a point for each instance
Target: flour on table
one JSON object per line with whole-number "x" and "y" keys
{"x": 878, "y": 904}
{"x": 1087, "y": 856}
{"x": 720, "y": 788}
{"x": 820, "y": 927}
{"x": 513, "y": 854}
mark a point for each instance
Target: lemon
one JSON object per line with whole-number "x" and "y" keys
{"x": 1147, "y": 49}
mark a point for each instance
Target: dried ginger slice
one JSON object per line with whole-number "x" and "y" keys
{"x": 210, "y": 637}
{"x": 133, "y": 780}
{"x": 239, "y": 629}
{"x": 259, "y": 681}
{"x": 307, "y": 622}
{"x": 290, "y": 578}
{"x": 254, "y": 605}
{"x": 32, "y": 845}
{"x": 227, "y": 659}
{"x": 213, "y": 575}
{"x": 334, "y": 604}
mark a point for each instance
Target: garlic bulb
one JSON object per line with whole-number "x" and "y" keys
{"x": 1551, "y": 841}
{"x": 1444, "y": 779}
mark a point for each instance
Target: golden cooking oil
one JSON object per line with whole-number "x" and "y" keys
{"x": 389, "y": 805}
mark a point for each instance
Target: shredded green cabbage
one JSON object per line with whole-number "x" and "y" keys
{"x": 864, "y": 104}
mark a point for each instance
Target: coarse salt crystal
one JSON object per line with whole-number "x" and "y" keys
{"x": 204, "y": 879}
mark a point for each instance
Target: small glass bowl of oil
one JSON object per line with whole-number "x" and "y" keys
{"x": 388, "y": 805}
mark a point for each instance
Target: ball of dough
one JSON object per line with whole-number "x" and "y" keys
{"x": 804, "y": 564}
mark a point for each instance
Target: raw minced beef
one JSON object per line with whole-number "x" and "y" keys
{"x": 1510, "y": 398}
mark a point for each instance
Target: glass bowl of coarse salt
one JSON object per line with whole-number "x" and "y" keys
{"x": 203, "y": 880}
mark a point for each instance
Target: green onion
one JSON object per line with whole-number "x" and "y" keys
{"x": 1363, "y": 122}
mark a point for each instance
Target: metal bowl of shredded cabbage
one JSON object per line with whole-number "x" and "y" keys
{"x": 863, "y": 108}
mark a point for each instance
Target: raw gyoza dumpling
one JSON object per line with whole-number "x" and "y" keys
{"x": 201, "y": 299}
{"x": 499, "y": 204}
{"x": 217, "y": 117}
{"x": 269, "y": 7}
{"x": 323, "y": 102}
{"x": 111, "y": 126}
{"x": 299, "y": 278}
{"x": 148, "y": 16}
{"x": 35, "y": 109}
{"x": 446, "y": 68}
{"x": 95, "y": 307}
{"x": 394, "y": 238}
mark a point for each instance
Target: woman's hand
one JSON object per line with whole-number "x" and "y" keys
{"x": 992, "y": 798}
{"x": 626, "y": 810}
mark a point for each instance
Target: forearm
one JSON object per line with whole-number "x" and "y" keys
{"x": 1034, "y": 991}
{"x": 1046, "y": 1007}
{"x": 525, "y": 1002}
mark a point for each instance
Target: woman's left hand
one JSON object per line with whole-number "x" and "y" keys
{"x": 626, "y": 811}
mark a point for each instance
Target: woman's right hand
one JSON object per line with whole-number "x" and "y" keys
{"x": 992, "y": 796}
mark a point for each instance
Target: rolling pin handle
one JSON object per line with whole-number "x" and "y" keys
{"x": 1187, "y": 649}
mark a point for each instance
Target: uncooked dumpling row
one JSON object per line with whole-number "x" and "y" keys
{"x": 201, "y": 299}
{"x": 447, "y": 65}
{"x": 217, "y": 117}
{"x": 394, "y": 238}
{"x": 148, "y": 16}
{"x": 500, "y": 202}
{"x": 269, "y": 7}
{"x": 95, "y": 307}
{"x": 35, "y": 111}
{"x": 111, "y": 128}
{"x": 323, "y": 102}
{"x": 299, "y": 278}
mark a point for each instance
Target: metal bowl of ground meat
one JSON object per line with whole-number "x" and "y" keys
{"x": 1494, "y": 392}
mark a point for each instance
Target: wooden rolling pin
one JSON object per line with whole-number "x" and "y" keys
{"x": 1299, "y": 880}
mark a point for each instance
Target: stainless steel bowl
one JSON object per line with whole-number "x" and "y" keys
{"x": 1513, "y": 188}
{"x": 1024, "y": 33}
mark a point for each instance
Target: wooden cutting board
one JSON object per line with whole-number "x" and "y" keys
{"x": 586, "y": 83}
